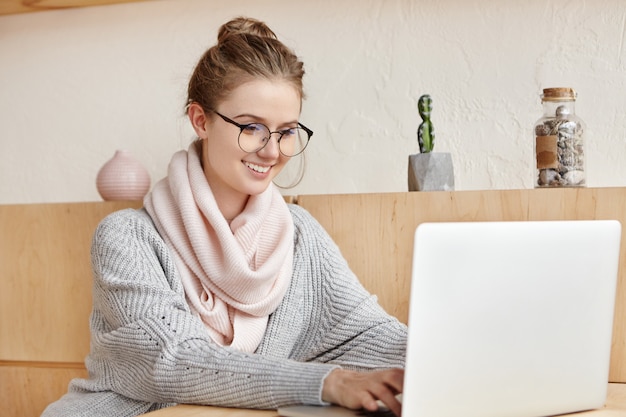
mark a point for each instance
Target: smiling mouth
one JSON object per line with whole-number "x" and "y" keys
{"x": 256, "y": 168}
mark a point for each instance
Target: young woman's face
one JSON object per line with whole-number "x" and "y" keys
{"x": 231, "y": 172}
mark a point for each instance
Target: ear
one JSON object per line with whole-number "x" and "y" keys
{"x": 198, "y": 119}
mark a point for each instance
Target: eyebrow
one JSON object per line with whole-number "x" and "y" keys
{"x": 263, "y": 120}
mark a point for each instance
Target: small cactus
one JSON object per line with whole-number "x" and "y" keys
{"x": 426, "y": 130}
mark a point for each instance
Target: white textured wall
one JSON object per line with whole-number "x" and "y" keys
{"x": 77, "y": 84}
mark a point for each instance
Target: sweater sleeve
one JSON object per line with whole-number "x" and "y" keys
{"x": 147, "y": 345}
{"x": 354, "y": 331}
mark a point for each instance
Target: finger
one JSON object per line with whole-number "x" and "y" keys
{"x": 387, "y": 396}
{"x": 369, "y": 403}
{"x": 360, "y": 398}
{"x": 391, "y": 402}
{"x": 390, "y": 384}
{"x": 395, "y": 380}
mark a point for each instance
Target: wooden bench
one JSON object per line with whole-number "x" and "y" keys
{"x": 45, "y": 272}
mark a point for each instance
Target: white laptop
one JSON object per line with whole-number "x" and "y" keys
{"x": 507, "y": 319}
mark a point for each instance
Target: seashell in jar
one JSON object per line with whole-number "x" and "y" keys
{"x": 562, "y": 111}
{"x": 542, "y": 130}
{"x": 574, "y": 177}
{"x": 549, "y": 177}
{"x": 567, "y": 130}
{"x": 567, "y": 125}
{"x": 568, "y": 158}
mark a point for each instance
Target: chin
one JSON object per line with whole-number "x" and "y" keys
{"x": 257, "y": 189}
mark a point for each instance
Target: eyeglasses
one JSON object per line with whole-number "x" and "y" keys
{"x": 255, "y": 136}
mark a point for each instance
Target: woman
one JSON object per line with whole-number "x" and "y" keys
{"x": 219, "y": 293}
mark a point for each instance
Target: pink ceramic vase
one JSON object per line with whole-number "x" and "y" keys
{"x": 123, "y": 178}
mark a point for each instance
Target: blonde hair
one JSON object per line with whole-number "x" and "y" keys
{"x": 246, "y": 48}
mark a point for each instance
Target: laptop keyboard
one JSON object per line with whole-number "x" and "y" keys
{"x": 381, "y": 412}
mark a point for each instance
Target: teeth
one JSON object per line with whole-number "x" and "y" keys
{"x": 257, "y": 168}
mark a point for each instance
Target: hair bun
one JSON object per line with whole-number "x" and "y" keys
{"x": 244, "y": 26}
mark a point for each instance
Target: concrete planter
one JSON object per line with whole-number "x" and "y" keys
{"x": 432, "y": 171}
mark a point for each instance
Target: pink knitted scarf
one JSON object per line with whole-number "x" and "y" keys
{"x": 234, "y": 276}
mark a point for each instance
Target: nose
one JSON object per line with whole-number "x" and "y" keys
{"x": 272, "y": 149}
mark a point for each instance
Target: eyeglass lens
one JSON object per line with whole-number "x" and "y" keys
{"x": 291, "y": 141}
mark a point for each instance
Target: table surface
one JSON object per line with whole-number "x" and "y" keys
{"x": 615, "y": 406}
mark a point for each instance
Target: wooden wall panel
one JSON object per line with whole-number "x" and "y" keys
{"x": 45, "y": 299}
{"x": 32, "y": 388}
{"x": 375, "y": 233}
{"x": 45, "y": 279}
{"x": 45, "y": 273}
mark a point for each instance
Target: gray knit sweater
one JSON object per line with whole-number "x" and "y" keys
{"x": 148, "y": 351}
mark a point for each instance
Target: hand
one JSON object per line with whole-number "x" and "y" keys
{"x": 357, "y": 390}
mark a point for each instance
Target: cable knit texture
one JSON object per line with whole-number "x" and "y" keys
{"x": 234, "y": 276}
{"x": 149, "y": 350}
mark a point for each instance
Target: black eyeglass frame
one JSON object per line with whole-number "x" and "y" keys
{"x": 281, "y": 133}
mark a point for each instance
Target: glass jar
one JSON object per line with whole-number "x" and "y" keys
{"x": 559, "y": 142}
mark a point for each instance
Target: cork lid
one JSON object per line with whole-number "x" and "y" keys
{"x": 559, "y": 94}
